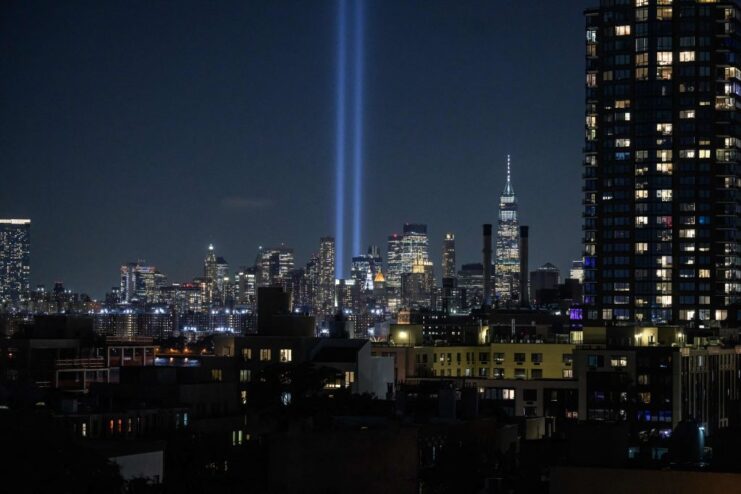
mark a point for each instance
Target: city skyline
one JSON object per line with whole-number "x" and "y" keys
{"x": 351, "y": 246}
{"x": 203, "y": 162}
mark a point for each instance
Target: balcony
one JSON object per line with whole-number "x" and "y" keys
{"x": 80, "y": 363}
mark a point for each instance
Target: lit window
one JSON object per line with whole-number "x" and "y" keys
{"x": 622, "y": 103}
{"x": 216, "y": 375}
{"x": 686, "y": 56}
{"x": 664, "y": 129}
{"x": 663, "y": 13}
{"x": 703, "y": 273}
{"x": 664, "y": 73}
{"x": 664, "y": 168}
{"x": 619, "y": 361}
{"x": 663, "y": 274}
{"x": 641, "y": 248}
{"x": 237, "y": 438}
{"x": 622, "y": 30}
{"x": 687, "y": 114}
{"x": 265, "y": 354}
{"x": 664, "y": 58}
{"x": 286, "y": 355}
{"x": 508, "y": 394}
{"x": 244, "y": 375}
{"x": 247, "y": 353}
{"x": 664, "y": 194}
{"x": 349, "y": 378}
{"x": 622, "y": 143}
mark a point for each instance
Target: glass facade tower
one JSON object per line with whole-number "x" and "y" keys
{"x": 661, "y": 186}
{"x": 507, "y": 263}
{"x": 15, "y": 260}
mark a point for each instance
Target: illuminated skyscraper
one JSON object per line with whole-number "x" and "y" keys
{"x": 417, "y": 285}
{"x": 273, "y": 265}
{"x": 471, "y": 286}
{"x": 393, "y": 262}
{"x": 222, "y": 276}
{"x": 449, "y": 284}
{"x": 246, "y": 287}
{"x": 364, "y": 268}
{"x": 15, "y": 260}
{"x": 414, "y": 246}
{"x": 507, "y": 264}
{"x": 141, "y": 283}
{"x": 209, "y": 264}
{"x": 661, "y": 158}
{"x": 449, "y": 256}
{"x": 216, "y": 270}
{"x": 325, "y": 289}
{"x": 210, "y": 274}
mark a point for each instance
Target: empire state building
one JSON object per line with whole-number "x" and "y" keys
{"x": 507, "y": 265}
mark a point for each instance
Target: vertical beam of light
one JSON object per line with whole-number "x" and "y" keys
{"x": 340, "y": 145}
{"x": 358, "y": 132}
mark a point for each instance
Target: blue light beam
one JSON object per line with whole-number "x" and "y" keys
{"x": 340, "y": 145}
{"x": 358, "y": 132}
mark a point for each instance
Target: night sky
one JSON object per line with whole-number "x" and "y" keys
{"x": 148, "y": 129}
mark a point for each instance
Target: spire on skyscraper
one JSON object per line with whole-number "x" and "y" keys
{"x": 508, "y": 190}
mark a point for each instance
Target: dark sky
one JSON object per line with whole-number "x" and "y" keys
{"x": 147, "y": 129}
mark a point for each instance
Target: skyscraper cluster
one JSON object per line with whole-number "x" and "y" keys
{"x": 375, "y": 290}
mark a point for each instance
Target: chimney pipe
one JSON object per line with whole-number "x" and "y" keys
{"x": 524, "y": 278}
{"x": 487, "y": 266}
